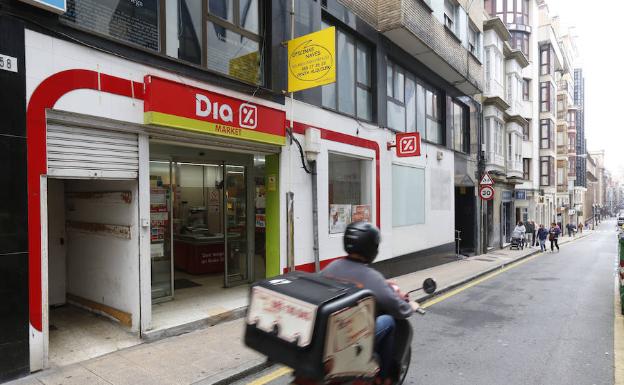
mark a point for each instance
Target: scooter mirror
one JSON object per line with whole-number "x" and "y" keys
{"x": 429, "y": 285}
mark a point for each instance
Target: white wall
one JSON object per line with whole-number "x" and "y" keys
{"x": 46, "y": 56}
{"x": 102, "y": 267}
{"x": 439, "y": 190}
{"x": 57, "y": 242}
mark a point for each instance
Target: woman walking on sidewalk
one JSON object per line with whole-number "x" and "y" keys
{"x": 554, "y": 236}
{"x": 542, "y": 234}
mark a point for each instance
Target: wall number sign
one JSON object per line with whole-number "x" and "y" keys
{"x": 8, "y": 63}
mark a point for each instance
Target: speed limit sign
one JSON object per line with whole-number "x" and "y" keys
{"x": 486, "y": 193}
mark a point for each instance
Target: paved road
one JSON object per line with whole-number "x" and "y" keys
{"x": 547, "y": 321}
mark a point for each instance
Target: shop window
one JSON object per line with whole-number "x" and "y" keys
{"x": 352, "y": 92}
{"x": 408, "y": 195}
{"x": 349, "y": 189}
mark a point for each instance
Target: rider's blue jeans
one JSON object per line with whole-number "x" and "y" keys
{"x": 384, "y": 342}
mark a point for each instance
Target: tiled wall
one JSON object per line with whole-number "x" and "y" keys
{"x": 14, "y": 352}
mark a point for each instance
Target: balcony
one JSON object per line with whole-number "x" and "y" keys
{"x": 412, "y": 25}
{"x": 494, "y": 89}
{"x": 514, "y": 170}
{"x": 562, "y": 188}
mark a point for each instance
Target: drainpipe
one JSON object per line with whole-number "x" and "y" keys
{"x": 312, "y": 149}
{"x": 317, "y": 261}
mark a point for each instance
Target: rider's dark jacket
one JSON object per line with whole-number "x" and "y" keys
{"x": 388, "y": 302}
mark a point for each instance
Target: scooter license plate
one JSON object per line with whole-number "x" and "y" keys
{"x": 294, "y": 318}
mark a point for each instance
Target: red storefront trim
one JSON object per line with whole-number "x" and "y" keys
{"x": 45, "y": 96}
{"x": 339, "y": 137}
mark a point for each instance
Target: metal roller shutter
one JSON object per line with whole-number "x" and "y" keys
{"x": 91, "y": 153}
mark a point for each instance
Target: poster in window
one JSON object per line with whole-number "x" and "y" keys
{"x": 360, "y": 213}
{"x": 339, "y": 218}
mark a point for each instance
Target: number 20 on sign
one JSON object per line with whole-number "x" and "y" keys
{"x": 486, "y": 193}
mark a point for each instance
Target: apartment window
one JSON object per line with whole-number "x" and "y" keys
{"x": 450, "y": 15}
{"x": 349, "y": 191}
{"x": 498, "y": 138}
{"x": 408, "y": 195}
{"x": 545, "y": 134}
{"x": 545, "y": 170}
{"x": 547, "y": 97}
{"x": 526, "y": 168}
{"x": 560, "y": 176}
{"x": 547, "y": 65}
{"x": 526, "y": 131}
{"x": 510, "y": 11}
{"x": 520, "y": 41}
{"x": 526, "y": 89}
{"x": 352, "y": 92}
{"x": 461, "y": 134}
{"x": 412, "y": 105}
{"x": 474, "y": 40}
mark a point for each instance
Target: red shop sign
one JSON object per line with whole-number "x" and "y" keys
{"x": 176, "y": 105}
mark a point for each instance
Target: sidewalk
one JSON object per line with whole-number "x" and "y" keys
{"x": 217, "y": 354}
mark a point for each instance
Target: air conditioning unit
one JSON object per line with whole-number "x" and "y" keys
{"x": 439, "y": 155}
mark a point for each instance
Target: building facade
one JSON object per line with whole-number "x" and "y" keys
{"x": 161, "y": 150}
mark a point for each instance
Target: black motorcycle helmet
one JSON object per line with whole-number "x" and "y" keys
{"x": 363, "y": 239}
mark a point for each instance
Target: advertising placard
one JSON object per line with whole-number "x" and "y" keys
{"x": 312, "y": 60}
{"x": 360, "y": 213}
{"x": 339, "y": 218}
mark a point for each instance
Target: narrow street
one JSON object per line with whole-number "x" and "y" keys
{"x": 547, "y": 320}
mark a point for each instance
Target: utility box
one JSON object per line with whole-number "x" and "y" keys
{"x": 323, "y": 329}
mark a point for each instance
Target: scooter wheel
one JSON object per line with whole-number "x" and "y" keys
{"x": 405, "y": 364}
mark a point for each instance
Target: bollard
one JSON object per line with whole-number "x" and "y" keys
{"x": 621, "y": 269}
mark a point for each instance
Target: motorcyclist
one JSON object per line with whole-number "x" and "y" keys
{"x": 361, "y": 242}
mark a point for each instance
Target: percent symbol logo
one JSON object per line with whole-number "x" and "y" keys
{"x": 408, "y": 144}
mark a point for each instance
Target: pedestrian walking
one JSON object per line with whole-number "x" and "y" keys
{"x": 580, "y": 227}
{"x": 553, "y": 236}
{"x": 570, "y": 228}
{"x": 542, "y": 234}
{"x": 521, "y": 230}
{"x": 530, "y": 230}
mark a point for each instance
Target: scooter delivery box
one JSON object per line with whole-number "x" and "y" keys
{"x": 321, "y": 328}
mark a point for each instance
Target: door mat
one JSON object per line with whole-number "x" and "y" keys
{"x": 183, "y": 283}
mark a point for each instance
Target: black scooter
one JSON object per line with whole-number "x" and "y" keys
{"x": 323, "y": 329}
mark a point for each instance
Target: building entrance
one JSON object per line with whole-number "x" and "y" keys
{"x": 207, "y": 215}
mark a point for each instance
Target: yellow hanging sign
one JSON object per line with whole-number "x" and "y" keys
{"x": 312, "y": 60}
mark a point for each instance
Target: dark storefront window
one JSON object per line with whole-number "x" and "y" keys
{"x": 412, "y": 105}
{"x": 352, "y": 92}
{"x": 131, "y": 22}
{"x": 224, "y": 36}
{"x": 461, "y": 133}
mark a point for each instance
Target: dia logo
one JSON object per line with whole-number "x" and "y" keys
{"x": 248, "y": 116}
